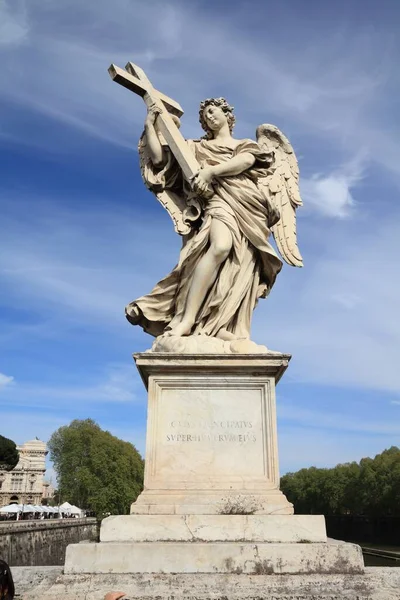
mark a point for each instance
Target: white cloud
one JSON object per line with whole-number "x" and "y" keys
{"x": 5, "y": 380}
{"x": 330, "y": 195}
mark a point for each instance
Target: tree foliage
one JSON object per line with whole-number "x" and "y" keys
{"x": 371, "y": 487}
{"x": 95, "y": 470}
{"x": 9, "y": 455}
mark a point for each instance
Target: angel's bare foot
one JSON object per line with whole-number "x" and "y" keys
{"x": 182, "y": 328}
{"x": 227, "y": 336}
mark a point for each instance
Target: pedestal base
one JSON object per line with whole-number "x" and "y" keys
{"x": 214, "y": 557}
{"x": 252, "y": 544}
{"x": 47, "y": 583}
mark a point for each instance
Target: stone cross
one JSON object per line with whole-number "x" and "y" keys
{"x": 135, "y": 79}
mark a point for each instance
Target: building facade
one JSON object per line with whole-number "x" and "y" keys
{"x": 24, "y": 484}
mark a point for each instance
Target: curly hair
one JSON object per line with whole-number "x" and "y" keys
{"x": 221, "y": 103}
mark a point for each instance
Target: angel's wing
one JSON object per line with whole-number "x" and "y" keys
{"x": 283, "y": 190}
{"x": 155, "y": 181}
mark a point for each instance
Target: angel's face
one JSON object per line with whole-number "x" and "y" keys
{"x": 215, "y": 117}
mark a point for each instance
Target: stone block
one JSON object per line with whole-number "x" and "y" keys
{"x": 214, "y": 528}
{"x": 48, "y": 583}
{"x": 214, "y": 557}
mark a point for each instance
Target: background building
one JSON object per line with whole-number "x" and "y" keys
{"x": 24, "y": 484}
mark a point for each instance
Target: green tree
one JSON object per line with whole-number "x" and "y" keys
{"x": 9, "y": 455}
{"x": 370, "y": 488}
{"x": 95, "y": 470}
{"x": 380, "y": 483}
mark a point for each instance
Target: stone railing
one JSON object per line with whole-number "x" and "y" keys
{"x": 31, "y": 543}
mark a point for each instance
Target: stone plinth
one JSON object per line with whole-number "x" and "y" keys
{"x": 48, "y": 583}
{"x": 211, "y": 434}
{"x": 214, "y": 557}
{"x": 214, "y": 528}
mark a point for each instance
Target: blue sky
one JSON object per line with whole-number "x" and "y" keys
{"x": 80, "y": 236}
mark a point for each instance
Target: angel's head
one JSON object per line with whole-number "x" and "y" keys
{"x": 213, "y": 114}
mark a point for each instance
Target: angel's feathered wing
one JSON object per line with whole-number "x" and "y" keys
{"x": 282, "y": 187}
{"x": 173, "y": 203}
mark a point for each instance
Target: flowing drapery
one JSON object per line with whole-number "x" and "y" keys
{"x": 251, "y": 268}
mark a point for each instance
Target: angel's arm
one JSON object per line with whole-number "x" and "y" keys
{"x": 234, "y": 166}
{"x": 155, "y": 149}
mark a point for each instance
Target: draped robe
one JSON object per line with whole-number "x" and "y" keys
{"x": 249, "y": 271}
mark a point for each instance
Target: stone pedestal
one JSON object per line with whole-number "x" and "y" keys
{"x": 211, "y": 434}
{"x": 211, "y": 501}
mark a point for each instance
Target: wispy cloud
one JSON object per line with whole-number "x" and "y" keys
{"x": 335, "y": 421}
{"x": 332, "y": 90}
{"x": 13, "y": 23}
{"x": 117, "y": 384}
{"x": 81, "y": 264}
{"x": 339, "y": 317}
{"x": 331, "y": 195}
{"x": 5, "y": 380}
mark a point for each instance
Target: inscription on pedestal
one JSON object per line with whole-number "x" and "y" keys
{"x": 212, "y": 431}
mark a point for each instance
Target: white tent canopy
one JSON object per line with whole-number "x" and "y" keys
{"x": 28, "y": 508}
{"x": 70, "y": 509}
{"x": 11, "y": 508}
{"x": 66, "y": 508}
{"x": 74, "y": 510}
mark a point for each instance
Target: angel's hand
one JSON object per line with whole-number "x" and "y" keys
{"x": 202, "y": 181}
{"x": 152, "y": 113}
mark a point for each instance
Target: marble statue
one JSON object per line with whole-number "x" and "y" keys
{"x": 225, "y": 197}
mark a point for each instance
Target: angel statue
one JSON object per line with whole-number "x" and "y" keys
{"x": 242, "y": 191}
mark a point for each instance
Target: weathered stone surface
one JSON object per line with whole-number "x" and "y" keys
{"x": 214, "y": 528}
{"x": 28, "y": 543}
{"x": 48, "y": 583}
{"x": 213, "y": 557}
{"x": 204, "y": 344}
{"x": 211, "y": 443}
